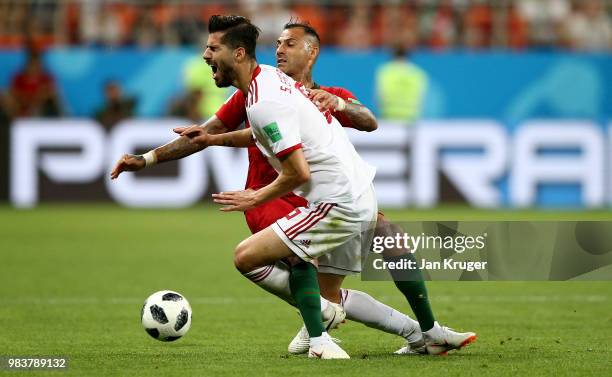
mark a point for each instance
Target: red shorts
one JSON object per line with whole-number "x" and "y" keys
{"x": 266, "y": 214}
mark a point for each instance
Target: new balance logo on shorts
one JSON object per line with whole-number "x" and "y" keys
{"x": 305, "y": 243}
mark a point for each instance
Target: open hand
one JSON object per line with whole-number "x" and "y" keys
{"x": 236, "y": 200}
{"x": 196, "y": 134}
{"x": 323, "y": 100}
{"x": 128, "y": 162}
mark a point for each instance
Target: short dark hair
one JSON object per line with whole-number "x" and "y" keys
{"x": 239, "y": 32}
{"x": 308, "y": 29}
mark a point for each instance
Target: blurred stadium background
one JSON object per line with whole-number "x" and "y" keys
{"x": 485, "y": 103}
{"x": 488, "y": 110}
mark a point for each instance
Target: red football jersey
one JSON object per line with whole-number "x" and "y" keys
{"x": 261, "y": 173}
{"x": 345, "y": 95}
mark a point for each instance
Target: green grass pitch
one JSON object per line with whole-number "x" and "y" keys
{"x": 73, "y": 280}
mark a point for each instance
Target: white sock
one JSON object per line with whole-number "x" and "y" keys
{"x": 361, "y": 307}
{"x": 275, "y": 279}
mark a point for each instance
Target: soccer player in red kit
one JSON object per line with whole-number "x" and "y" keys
{"x": 297, "y": 51}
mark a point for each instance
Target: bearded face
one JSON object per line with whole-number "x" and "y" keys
{"x": 219, "y": 57}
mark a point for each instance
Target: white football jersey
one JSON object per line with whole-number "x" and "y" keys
{"x": 283, "y": 119}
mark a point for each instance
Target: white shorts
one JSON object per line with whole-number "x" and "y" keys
{"x": 333, "y": 233}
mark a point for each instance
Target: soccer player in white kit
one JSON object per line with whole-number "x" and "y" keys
{"x": 340, "y": 193}
{"x": 315, "y": 160}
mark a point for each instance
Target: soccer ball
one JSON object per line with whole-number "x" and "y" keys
{"x": 166, "y": 315}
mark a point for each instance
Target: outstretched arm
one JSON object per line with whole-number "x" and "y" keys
{"x": 198, "y": 135}
{"x": 174, "y": 150}
{"x": 182, "y": 147}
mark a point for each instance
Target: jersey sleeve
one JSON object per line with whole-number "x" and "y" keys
{"x": 232, "y": 113}
{"x": 348, "y": 97}
{"x": 275, "y": 126}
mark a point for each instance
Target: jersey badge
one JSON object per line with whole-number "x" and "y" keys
{"x": 273, "y": 132}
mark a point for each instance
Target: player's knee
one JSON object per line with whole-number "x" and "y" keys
{"x": 242, "y": 259}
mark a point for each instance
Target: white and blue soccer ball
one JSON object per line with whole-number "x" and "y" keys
{"x": 166, "y": 315}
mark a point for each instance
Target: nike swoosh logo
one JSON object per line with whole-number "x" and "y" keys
{"x": 317, "y": 354}
{"x": 331, "y": 322}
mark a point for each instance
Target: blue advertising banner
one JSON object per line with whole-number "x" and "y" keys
{"x": 503, "y": 129}
{"x": 506, "y": 86}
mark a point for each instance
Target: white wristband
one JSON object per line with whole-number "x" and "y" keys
{"x": 150, "y": 158}
{"x": 341, "y": 104}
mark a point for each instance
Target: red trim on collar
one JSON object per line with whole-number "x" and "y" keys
{"x": 256, "y": 72}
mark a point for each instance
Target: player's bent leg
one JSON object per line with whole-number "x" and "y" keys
{"x": 325, "y": 347}
{"x": 266, "y": 247}
{"x": 307, "y": 232}
{"x": 305, "y": 290}
{"x": 274, "y": 279}
{"x": 410, "y": 283}
{"x": 260, "y": 249}
{"x": 363, "y": 308}
{"x": 332, "y": 313}
{"x": 359, "y": 306}
{"x": 438, "y": 340}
